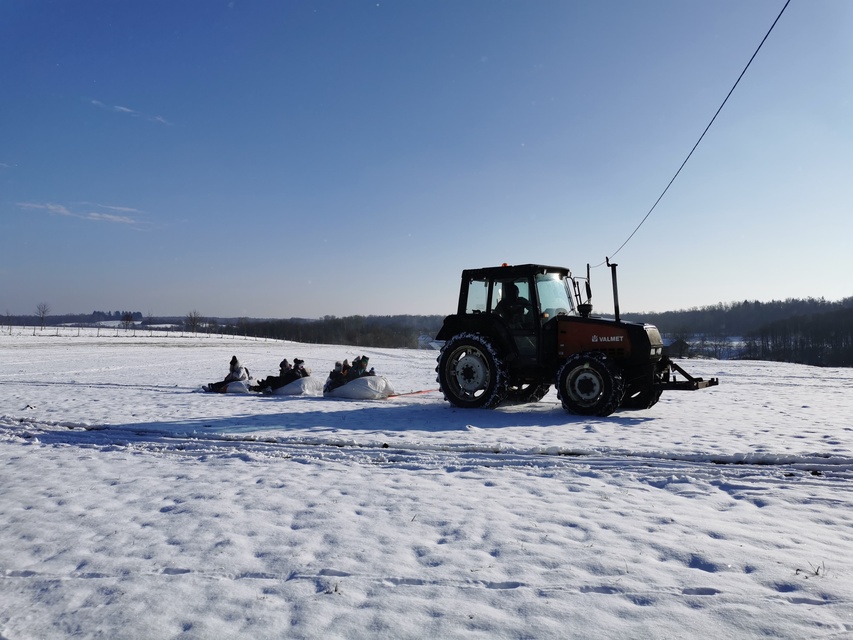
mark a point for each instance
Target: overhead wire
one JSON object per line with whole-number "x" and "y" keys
{"x": 669, "y": 184}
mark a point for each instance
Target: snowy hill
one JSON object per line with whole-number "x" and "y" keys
{"x": 135, "y": 505}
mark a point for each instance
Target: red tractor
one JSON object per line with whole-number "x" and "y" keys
{"x": 520, "y": 329}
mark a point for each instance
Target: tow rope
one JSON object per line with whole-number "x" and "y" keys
{"x": 413, "y": 393}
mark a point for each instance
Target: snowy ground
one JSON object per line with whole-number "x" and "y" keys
{"x": 134, "y": 506}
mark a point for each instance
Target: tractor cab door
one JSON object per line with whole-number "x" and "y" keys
{"x": 515, "y": 301}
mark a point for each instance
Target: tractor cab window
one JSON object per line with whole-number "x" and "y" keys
{"x": 554, "y": 297}
{"x": 478, "y": 296}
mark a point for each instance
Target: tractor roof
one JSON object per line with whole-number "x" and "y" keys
{"x": 513, "y": 271}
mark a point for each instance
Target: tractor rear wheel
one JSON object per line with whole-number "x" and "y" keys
{"x": 470, "y": 372}
{"x": 588, "y": 384}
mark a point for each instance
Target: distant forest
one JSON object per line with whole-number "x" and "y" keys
{"x": 807, "y": 331}
{"x": 737, "y": 318}
{"x": 401, "y": 332}
{"x": 368, "y": 331}
{"x": 810, "y": 331}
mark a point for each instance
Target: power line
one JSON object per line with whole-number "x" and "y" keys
{"x": 663, "y": 193}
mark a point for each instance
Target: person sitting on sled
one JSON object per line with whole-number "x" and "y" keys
{"x": 336, "y": 377}
{"x": 236, "y": 373}
{"x": 300, "y": 369}
{"x": 359, "y": 368}
{"x": 287, "y": 374}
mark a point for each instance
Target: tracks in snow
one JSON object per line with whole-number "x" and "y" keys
{"x": 453, "y": 457}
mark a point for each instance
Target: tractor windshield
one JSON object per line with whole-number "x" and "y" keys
{"x": 554, "y": 298}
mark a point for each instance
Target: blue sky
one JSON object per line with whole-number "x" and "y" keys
{"x": 281, "y": 159}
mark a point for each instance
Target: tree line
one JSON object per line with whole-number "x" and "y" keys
{"x": 737, "y": 318}
{"x": 808, "y": 331}
{"x": 400, "y": 332}
{"x": 42, "y": 317}
{"x": 824, "y": 339}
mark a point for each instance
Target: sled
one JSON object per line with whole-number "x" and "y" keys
{"x": 238, "y": 386}
{"x": 364, "y": 388}
{"x": 306, "y": 386}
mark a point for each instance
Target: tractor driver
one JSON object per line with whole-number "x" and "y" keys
{"x": 512, "y": 307}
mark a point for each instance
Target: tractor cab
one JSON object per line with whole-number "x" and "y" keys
{"x": 518, "y": 302}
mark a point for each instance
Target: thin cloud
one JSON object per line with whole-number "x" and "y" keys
{"x": 111, "y": 208}
{"x": 94, "y": 216}
{"x": 109, "y": 217}
{"x": 56, "y": 209}
{"x": 131, "y": 112}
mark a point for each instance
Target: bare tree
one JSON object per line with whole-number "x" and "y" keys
{"x": 42, "y": 309}
{"x": 193, "y": 321}
{"x": 127, "y": 320}
{"x": 243, "y": 326}
{"x": 720, "y": 345}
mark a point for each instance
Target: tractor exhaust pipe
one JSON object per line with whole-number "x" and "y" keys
{"x": 613, "y": 266}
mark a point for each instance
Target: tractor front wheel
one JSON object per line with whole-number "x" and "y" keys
{"x": 588, "y": 384}
{"x": 645, "y": 392}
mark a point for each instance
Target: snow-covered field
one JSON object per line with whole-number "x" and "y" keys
{"x": 132, "y": 505}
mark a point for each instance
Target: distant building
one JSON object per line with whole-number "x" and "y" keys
{"x": 676, "y": 348}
